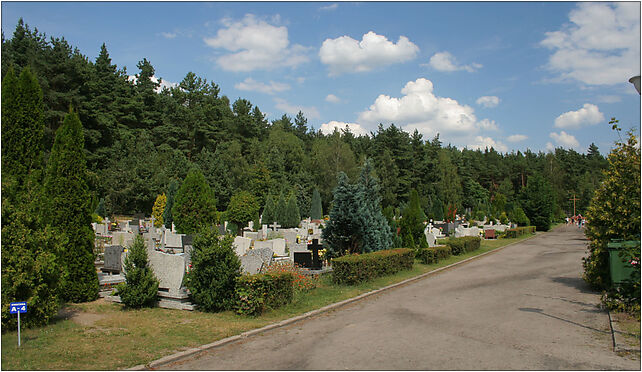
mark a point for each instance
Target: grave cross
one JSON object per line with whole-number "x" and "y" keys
{"x": 275, "y": 226}
{"x": 314, "y": 247}
{"x": 574, "y": 199}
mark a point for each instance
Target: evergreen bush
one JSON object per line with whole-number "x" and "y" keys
{"x": 168, "y": 218}
{"x": 537, "y": 202}
{"x": 268, "y": 215}
{"x": 256, "y": 293}
{"x": 215, "y": 269}
{"x": 194, "y": 205}
{"x": 357, "y": 268}
{"x": 141, "y": 286}
{"x": 243, "y": 208}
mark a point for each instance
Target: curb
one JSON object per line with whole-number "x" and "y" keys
{"x": 189, "y": 352}
{"x": 615, "y": 335}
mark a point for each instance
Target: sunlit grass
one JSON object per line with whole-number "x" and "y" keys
{"x": 114, "y": 338}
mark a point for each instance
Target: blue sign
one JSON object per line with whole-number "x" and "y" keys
{"x": 17, "y": 307}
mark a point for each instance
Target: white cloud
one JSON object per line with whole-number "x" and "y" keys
{"x": 329, "y": 7}
{"x": 589, "y": 114}
{"x": 444, "y": 61}
{"x": 163, "y": 84}
{"x": 255, "y": 45}
{"x": 310, "y": 112}
{"x": 486, "y": 124}
{"x": 252, "y": 85}
{"x": 516, "y": 138}
{"x": 564, "y": 139}
{"x": 482, "y": 143}
{"x": 488, "y": 101}
{"x": 169, "y": 35}
{"x": 609, "y": 99}
{"x": 332, "y": 98}
{"x": 600, "y": 45}
{"x": 345, "y": 54}
{"x": 356, "y": 129}
{"x": 550, "y": 147}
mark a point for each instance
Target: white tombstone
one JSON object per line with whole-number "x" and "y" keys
{"x": 241, "y": 245}
{"x": 278, "y": 246}
{"x": 169, "y": 270}
{"x": 254, "y": 235}
{"x": 251, "y": 225}
{"x": 430, "y": 237}
{"x": 264, "y": 231}
{"x": 263, "y": 244}
{"x": 121, "y": 238}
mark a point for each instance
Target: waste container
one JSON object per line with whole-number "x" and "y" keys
{"x": 621, "y": 269}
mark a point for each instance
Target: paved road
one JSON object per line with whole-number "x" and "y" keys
{"x": 524, "y": 307}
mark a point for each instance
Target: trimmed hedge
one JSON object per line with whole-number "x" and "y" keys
{"x": 464, "y": 244}
{"x": 355, "y": 268}
{"x": 255, "y": 293}
{"x": 434, "y": 254}
{"x": 519, "y": 231}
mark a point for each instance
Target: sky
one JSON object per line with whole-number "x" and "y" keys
{"x": 511, "y": 75}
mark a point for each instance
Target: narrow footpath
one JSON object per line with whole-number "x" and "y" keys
{"x": 522, "y": 308}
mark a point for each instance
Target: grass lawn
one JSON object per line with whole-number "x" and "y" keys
{"x": 102, "y": 335}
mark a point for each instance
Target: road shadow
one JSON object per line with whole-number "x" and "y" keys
{"x": 540, "y": 311}
{"x": 577, "y": 283}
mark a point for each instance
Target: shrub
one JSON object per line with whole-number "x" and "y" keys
{"x": 357, "y": 268}
{"x": 426, "y": 255}
{"x": 255, "y": 293}
{"x": 301, "y": 281}
{"x": 442, "y": 252}
{"x": 519, "y": 231}
{"x": 141, "y": 286}
{"x": 215, "y": 268}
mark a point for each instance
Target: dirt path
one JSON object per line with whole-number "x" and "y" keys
{"x": 525, "y": 307}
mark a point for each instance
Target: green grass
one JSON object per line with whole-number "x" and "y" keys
{"x": 113, "y": 338}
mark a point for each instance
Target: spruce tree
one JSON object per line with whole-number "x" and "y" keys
{"x": 537, "y": 202}
{"x": 292, "y": 217}
{"x": 168, "y": 219}
{"x": 69, "y": 210}
{"x": 376, "y": 234}
{"x": 100, "y": 209}
{"x": 141, "y": 286}
{"x": 268, "y": 211}
{"x": 279, "y": 210}
{"x": 316, "y": 210}
{"x": 194, "y": 205}
{"x": 343, "y": 232}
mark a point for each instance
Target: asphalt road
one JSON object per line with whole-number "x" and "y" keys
{"x": 522, "y": 308}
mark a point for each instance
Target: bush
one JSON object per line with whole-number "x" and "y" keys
{"x": 426, "y": 255}
{"x": 141, "y": 286}
{"x": 357, "y": 268}
{"x": 301, "y": 281}
{"x": 215, "y": 269}
{"x": 255, "y": 293}
{"x": 464, "y": 244}
{"x": 519, "y": 231}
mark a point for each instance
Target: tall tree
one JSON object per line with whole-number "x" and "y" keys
{"x": 268, "y": 215}
{"x": 316, "y": 210}
{"x": 158, "y": 209}
{"x": 243, "y": 208}
{"x": 412, "y": 222}
{"x": 537, "y": 202}
{"x": 69, "y": 210}
{"x": 194, "y": 207}
{"x": 168, "y": 218}
{"x": 292, "y": 216}
{"x": 279, "y": 210}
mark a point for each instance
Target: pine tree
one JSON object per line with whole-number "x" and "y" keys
{"x": 292, "y": 217}
{"x": 158, "y": 209}
{"x": 69, "y": 210}
{"x": 279, "y": 210}
{"x": 168, "y": 218}
{"x": 537, "y": 202}
{"x": 194, "y": 206}
{"x": 412, "y": 219}
{"x": 268, "y": 211}
{"x": 316, "y": 210}
{"x": 141, "y": 286}
{"x": 243, "y": 207}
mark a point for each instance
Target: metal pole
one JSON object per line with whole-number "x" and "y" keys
{"x": 18, "y": 329}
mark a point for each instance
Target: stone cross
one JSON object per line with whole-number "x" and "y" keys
{"x": 314, "y": 247}
{"x": 275, "y": 226}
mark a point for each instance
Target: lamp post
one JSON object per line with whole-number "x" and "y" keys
{"x": 636, "y": 82}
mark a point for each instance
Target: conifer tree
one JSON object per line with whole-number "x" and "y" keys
{"x": 279, "y": 210}
{"x": 100, "y": 208}
{"x": 194, "y": 206}
{"x": 537, "y": 202}
{"x": 412, "y": 219}
{"x": 377, "y": 234}
{"x": 69, "y": 210}
{"x": 141, "y": 286}
{"x": 268, "y": 211}
{"x": 158, "y": 209}
{"x": 292, "y": 217}
{"x": 168, "y": 219}
{"x": 316, "y": 210}
{"x": 243, "y": 207}
{"x": 343, "y": 232}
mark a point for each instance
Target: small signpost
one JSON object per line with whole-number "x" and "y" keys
{"x": 18, "y": 308}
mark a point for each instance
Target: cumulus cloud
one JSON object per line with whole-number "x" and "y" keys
{"x": 482, "y": 143}
{"x": 444, "y": 61}
{"x": 163, "y": 83}
{"x": 332, "y": 98}
{"x": 329, "y": 7}
{"x": 345, "y": 54}
{"x": 589, "y": 114}
{"x": 564, "y": 139}
{"x": 486, "y": 124}
{"x": 252, "y": 85}
{"x": 600, "y": 45}
{"x": 516, "y": 138}
{"x": 488, "y": 101}
{"x": 310, "y": 112}
{"x": 169, "y": 35}
{"x": 255, "y": 45}
{"x": 550, "y": 147}
{"x": 356, "y": 129}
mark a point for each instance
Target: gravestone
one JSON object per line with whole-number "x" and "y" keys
{"x": 303, "y": 259}
{"x": 278, "y": 246}
{"x": 169, "y": 270}
{"x": 314, "y": 247}
{"x": 264, "y": 232}
{"x": 251, "y": 264}
{"x": 122, "y": 238}
{"x": 172, "y": 240}
{"x": 264, "y": 244}
{"x": 430, "y": 238}
{"x": 266, "y": 254}
{"x": 113, "y": 259}
{"x": 221, "y": 229}
{"x": 275, "y": 226}
{"x": 241, "y": 245}
{"x": 254, "y": 235}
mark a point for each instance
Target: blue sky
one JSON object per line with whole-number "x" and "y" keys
{"x": 512, "y": 75}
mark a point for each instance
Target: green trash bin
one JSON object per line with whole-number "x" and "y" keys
{"x": 620, "y": 268}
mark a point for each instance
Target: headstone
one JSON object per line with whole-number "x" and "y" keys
{"x": 172, "y": 240}
{"x": 169, "y": 270}
{"x": 278, "y": 246}
{"x": 187, "y": 239}
{"x": 314, "y": 247}
{"x": 275, "y": 226}
{"x": 254, "y": 235}
{"x": 113, "y": 256}
{"x": 430, "y": 238}
{"x": 263, "y": 244}
{"x": 221, "y": 229}
{"x": 122, "y": 238}
{"x": 265, "y": 254}
{"x": 264, "y": 231}
{"x": 251, "y": 225}
{"x": 241, "y": 245}
{"x": 303, "y": 259}
{"x": 251, "y": 264}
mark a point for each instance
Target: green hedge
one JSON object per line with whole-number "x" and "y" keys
{"x": 519, "y": 231}
{"x": 434, "y": 254}
{"x": 463, "y": 245}
{"x": 363, "y": 267}
{"x": 255, "y": 293}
